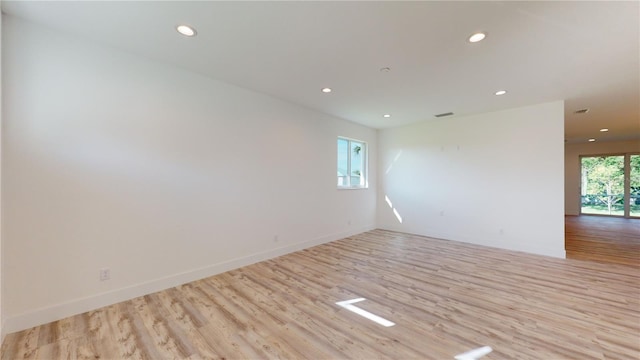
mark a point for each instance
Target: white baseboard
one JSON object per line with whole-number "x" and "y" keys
{"x": 78, "y": 306}
{"x": 557, "y": 253}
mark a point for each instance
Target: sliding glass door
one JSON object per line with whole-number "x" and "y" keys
{"x": 634, "y": 185}
{"x": 611, "y": 185}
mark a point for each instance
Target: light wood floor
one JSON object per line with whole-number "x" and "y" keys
{"x": 603, "y": 238}
{"x": 445, "y": 298}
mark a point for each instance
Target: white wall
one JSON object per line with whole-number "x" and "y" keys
{"x": 162, "y": 175}
{"x": 1, "y": 271}
{"x": 572, "y": 153}
{"x": 493, "y": 179}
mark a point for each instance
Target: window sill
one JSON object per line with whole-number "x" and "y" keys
{"x": 352, "y": 188}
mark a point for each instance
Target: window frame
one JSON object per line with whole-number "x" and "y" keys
{"x": 365, "y": 165}
{"x": 626, "y": 187}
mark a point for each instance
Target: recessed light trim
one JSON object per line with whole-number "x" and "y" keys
{"x": 500, "y": 92}
{"x": 386, "y": 115}
{"x": 186, "y": 30}
{"x": 581, "y": 111}
{"x": 592, "y": 140}
{"x": 477, "y": 37}
{"x": 604, "y": 130}
{"x": 326, "y": 90}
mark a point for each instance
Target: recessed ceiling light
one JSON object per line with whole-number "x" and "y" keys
{"x": 501, "y": 92}
{"x": 477, "y": 37}
{"x": 592, "y": 140}
{"x": 385, "y": 69}
{"x": 186, "y": 30}
{"x": 604, "y": 130}
{"x": 326, "y": 90}
{"x": 386, "y": 115}
{"x": 581, "y": 111}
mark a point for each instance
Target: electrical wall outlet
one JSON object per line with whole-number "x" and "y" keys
{"x": 105, "y": 274}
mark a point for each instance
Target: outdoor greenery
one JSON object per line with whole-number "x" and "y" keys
{"x": 634, "y": 182}
{"x": 603, "y": 185}
{"x": 603, "y": 181}
{"x": 635, "y": 175}
{"x": 602, "y": 210}
{"x": 356, "y": 155}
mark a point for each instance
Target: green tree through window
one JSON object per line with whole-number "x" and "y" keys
{"x": 634, "y": 188}
{"x": 603, "y": 185}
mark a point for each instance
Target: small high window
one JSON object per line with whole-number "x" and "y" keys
{"x": 352, "y": 163}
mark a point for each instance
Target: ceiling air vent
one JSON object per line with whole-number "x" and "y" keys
{"x": 581, "y": 111}
{"x": 444, "y": 114}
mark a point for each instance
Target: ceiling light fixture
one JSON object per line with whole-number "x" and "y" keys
{"x": 186, "y": 30}
{"x": 326, "y": 90}
{"x": 581, "y": 111}
{"x": 501, "y": 92}
{"x": 477, "y": 37}
{"x": 385, "y": 69}
{"x": 386, "y": 115}
{"x": 444, "y": 114}
{"x": 592, "y": 140}
{"x": 604, "y": 130}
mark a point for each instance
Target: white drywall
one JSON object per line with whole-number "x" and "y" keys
{"x": 493, "y": 179}
{"x": 572, "y": 153}
{"x": 162, "y": 175}
{"x": 1, "y": 271}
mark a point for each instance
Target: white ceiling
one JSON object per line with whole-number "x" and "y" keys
{"x": 587, "y": 53}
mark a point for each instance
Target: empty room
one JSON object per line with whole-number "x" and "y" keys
{"x": 320, "y": 180}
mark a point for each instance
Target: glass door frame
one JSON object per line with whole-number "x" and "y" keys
{"x": 627, "y": 184}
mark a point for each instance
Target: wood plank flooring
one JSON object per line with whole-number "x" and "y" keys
{"x": 445, "y": 298}
{"x": 604, "y": 239}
